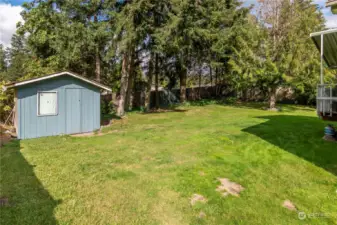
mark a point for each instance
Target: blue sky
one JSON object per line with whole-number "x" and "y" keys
{"x": 330, "y": 18}
{"x": 10, "y": 15}
{"x": 12, "y": 2}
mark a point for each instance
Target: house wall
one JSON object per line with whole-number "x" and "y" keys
{"x": 30, "y": 125}
{"x": 15, "y": 111}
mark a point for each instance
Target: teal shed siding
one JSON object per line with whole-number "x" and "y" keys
{"x": 78, "y": 106}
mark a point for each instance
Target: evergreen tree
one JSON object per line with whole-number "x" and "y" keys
{"x": 276, "y": 50}
{"x": 108, "y": 40}
{"x": 17, "y": 56}
{"x": 301, "y": 60}
{"x": 68, "y": 35}
{"x": 197, "y": 28}
{"x": 3, "y": 66}
{"x": 137, "y": 36}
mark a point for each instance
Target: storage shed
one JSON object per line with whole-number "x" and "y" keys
{"x": 60, "y": 103}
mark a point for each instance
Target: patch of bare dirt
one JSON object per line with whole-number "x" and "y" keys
{"x": 93, "y": 134}
{"x": 202, "y": 173}
{"x": 148, "y": 158}
{"x": 84, "y": 134}
{"x": 329, "y": 138}
{"x": 202, "y": 215}
{"x": 106, "y": 122}
{"x": 198, "y": 198}
{"x": 4, "y": 136}
{"x": 4, "y": 201}
{"x": 289, "y": 205}
{"x": 228, "y": 187}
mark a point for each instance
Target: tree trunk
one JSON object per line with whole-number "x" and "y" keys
{"x": 245, "y": 95}
{"x": 183, "y": 77}
{"x": 114, "y": 102}
{"x": 272, "y": 98}
{"x": 97, "y": 65}
{"x": 157, "y": 80}
{"x": 97, "y": 59}
{"x": 199, "y": 92}
{"x": 216, "y": 82}
{"x": 172, "y": 80}
{"x": 129, "y": 92}
{"x": 149, "y": 85}
{"x": 210, "y": 73}
{"x": 124, "y": 86}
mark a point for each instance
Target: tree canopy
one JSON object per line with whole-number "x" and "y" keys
{"x": 134, "y": 45}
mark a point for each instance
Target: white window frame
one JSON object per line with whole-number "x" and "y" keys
{"x": 38, "y": 103}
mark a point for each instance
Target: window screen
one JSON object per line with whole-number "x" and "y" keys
{"x": 47, "y": 103}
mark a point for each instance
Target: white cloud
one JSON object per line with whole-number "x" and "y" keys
{"x": 331, "y": 21}
{"x": 9, "y": 16}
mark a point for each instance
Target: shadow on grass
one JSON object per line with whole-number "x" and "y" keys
{"x": 106, "y": 118}
{"x": 301, "y": 136}
{"x": 164, "y": 110}
{"x": 24, "y": 200}
{"x": 244, "y": 105}
{"x": 110, "y": 117}
{"x": 263, "y": 106}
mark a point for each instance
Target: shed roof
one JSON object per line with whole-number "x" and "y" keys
{"x": 329, "y": 44}
{"x": 64, "y": 73}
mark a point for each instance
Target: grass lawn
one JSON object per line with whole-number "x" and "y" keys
{"x": 149, "y": 165}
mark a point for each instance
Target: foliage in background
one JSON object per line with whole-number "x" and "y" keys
{"x": 6, "y": 102}
{"x": 140, "y": 45}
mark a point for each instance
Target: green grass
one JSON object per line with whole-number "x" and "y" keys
{"x": 149, "y": 165}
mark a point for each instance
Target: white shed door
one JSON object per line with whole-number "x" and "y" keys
{"x": 47, "y": 103}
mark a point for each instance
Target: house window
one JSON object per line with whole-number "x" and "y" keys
{"x": 47, "y": 103}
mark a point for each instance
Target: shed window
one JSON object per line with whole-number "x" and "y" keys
{"x": 47, "y": 103}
